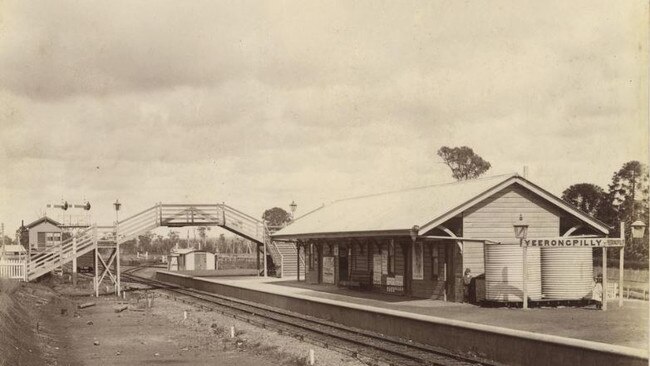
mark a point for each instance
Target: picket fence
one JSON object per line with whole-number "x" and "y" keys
{"x": 13, "y": 268}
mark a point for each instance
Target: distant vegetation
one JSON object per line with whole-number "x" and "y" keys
{"x": 158, "y": 244}
{"x": 625, "y": 200}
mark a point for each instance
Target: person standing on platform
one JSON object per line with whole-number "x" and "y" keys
{"x": 597, "y": 292}
{"x": 467, "y": 280}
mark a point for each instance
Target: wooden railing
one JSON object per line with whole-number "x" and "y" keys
{"x": 170, "y": 215}
{"x": 190, "y": 215}
{"x": 13, "y": 268}
{"x": 277, "y": 256}
{"x": 80, "y": 244}
{"x": 138, "y": 224}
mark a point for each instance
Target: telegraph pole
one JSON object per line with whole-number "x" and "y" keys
{"x": 117, "y": 205}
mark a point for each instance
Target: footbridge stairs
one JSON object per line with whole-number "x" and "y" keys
{"x": 107, "y": 239}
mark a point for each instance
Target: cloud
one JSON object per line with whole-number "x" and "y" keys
{"x": 261, "y": 103}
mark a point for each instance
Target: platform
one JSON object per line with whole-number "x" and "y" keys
{"x": 620, "y": 333}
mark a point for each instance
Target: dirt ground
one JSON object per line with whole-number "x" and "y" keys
{"x": 60, "y": 333}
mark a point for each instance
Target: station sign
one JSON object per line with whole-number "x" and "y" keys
{"x": 568, "y": 242}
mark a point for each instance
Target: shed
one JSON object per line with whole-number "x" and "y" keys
{"x": 13, "y": 251}
{"x": 44, "y": 233}
{"x": 191, "y": 260}
{"x": 403, "y": 242}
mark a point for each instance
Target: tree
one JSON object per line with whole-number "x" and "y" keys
{"x": 629, "y": 189}
{"x": 7, "y": 240}
{"x": 203, "y": 232}
{"x": 173, "y": 237}
{"x": 588, "y": 197}
{"x": 145, "y": 242}
{"x": 221, "y": 244}
{"x": 463, "y": 162}
{"x": 628, "y": 197}
{"x": 22, "y": 235}
{"x": 276, "y": 217}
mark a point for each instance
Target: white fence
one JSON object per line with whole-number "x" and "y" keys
{"x": 13, "y": 268}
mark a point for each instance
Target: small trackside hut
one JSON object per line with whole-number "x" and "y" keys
{"x": 191, "y": 260}
{"x": 421, "y": 242}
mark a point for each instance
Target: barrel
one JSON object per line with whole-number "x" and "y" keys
{"x": 504, "y": 273}
{"x": 567, "y": 273}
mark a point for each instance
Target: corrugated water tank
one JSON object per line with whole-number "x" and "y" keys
{"x": 504, "y": 273}
{"x": 567, "y": 273}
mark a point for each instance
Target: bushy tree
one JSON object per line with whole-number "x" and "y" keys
{"x": 464, "y": 162}
{"x": 145, "y": 243}
{"x": 276, "y": 217}
{"x": 628, "y": 196}
{"x": 588, "y": 197}
{"x": 203, "y": 234}
{"x": 173, "y": 237}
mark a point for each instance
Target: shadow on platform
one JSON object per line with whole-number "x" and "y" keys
{"x": 315, "y": 289}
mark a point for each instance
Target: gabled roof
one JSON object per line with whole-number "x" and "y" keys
{"x": 41, "y": 220}
{"x": 395, "y": 213}
{"x": 183, "y": 251}
{"x": 13, "y": 248}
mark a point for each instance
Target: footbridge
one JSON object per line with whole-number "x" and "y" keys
{"x": 105, "y": 240}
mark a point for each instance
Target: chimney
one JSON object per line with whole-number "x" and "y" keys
{"x": 525, "y": 171}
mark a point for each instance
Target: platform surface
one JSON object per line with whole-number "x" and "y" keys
{"x": 626, "y": 326}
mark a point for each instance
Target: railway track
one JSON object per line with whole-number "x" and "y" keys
{"x": 368, "y": 347}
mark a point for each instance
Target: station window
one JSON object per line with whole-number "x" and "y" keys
{"x": 48, "y": 239}
{"x": 311, "y": 256}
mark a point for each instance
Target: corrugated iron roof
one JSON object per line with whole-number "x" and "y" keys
{"x": 390, "y": 211}
{"x": 398, "y": 211}
{"x": 9, "y": 248}
{"x": 182, "y": 250}
{"x": 43, "y": 219}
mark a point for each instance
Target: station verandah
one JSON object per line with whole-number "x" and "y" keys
{"x": 433, "y": 236}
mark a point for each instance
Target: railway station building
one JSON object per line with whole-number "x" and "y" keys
{"x": 420, "y": 242}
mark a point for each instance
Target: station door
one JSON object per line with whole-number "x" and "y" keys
{"x": 200, "y": 261}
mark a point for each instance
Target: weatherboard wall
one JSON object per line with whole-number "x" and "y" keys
{"x": 493, "y": 219}
{"x": 43, "y": 227}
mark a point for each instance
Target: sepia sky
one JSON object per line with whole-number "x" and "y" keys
{"x": 258, "y": 103}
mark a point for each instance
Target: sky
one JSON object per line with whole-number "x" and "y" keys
{"x": 261, "y": 103}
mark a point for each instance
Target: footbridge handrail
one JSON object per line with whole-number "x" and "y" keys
{"x": 160, "y": 214}
{"x": 79, "y": 244}
{"x": 275, "y": 252}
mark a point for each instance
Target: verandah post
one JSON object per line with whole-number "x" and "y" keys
{"x": 298, "y": 260}
{"x": 265, "y": 265}
{"x": 621, "y": 267}
{"x": 525, "y": 274}
{"x": 604, "y": 278}
{"x": 257, "y": 250}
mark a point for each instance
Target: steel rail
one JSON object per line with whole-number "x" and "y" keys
{"x": 407, "y": 352}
